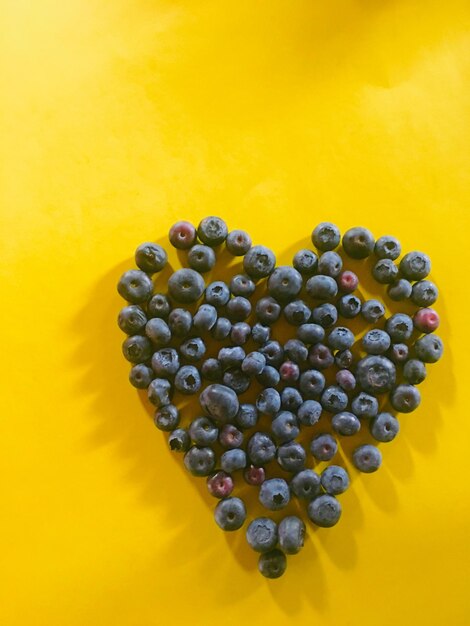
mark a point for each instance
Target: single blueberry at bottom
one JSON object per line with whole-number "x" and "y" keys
{"x": 291, "y": 534}
{"x": 272, "y": 564}
{"x": 230, "y": 513}
{"x": 324, "y": 511}
{"x": 262, "y": 534}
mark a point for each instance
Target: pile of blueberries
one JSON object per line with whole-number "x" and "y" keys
{"x": 171, "y": 330}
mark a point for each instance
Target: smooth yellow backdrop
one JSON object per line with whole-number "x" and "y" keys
{"x": 119, "y": 118}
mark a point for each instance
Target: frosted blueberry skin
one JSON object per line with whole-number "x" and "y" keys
{"x": 165, "y": 362}
{"x": 376, "y": 341}
{"x": 384, "y": 427}
{"x": 199, "y": 461}
{"x": 365, "y": 405}
{"x": 321, "y": 287}
{"x": 262, "y": 534}
{"x": 375, "y": 374}
{"x": 233, "y": 460}
{"x": 320, "y": 356}
{"x": 334, "y": 480}
{"x": 158, "y": 306}
{"x": 260, "y": 334}
{"x": 285, "y": 283}
{"x": 268, "y": 401}
{"x": 141, "y": 376}
{"x": 385, "y": 271}
{"x": 334, "y": 399}
{"x": 150, "y": 257}
{"x": 291, "y": 531}
{"x": 305, "y": 261}
{"x": 219, "y": 402}
{"x": 182, "y": 235}
{"x": 203, "y": 431}
{"x": 272, "y": 564}
{"x": 296, "y": 351}
{"x": 345, "y": 423}
{"x": 158, "y": 331}
{"x": 180, "y": 322}
{"x": 341, "y": 338}
{"x": 186, "y": 286}
{"x": 414, "y": 371}
{"x": 405, "y": 398}
{"x": 236, "y": 380}
{"x": 349, "y": 306}
{"x": 358, "y": 242}
{"x": 291, "y": 399}
{"x": 268, "y": 310}
{"x": 415, "y": 265}
{"x": 330, "y": 264}
{"x": 387, "y": 247}
{"x": 221, "y": 329}
{"x": 160, "y": 392}
{"x": 231, "y": 356}
{"x": 326, "y": 236}
{"x": 238, "y": 242}
{"x": 238, "y": 309}
{"x": 297, "y": 312}
{"x": 137, "y": 349}
{"x": 424, "y": 293}
{"x": 400, "y": 327}
{"x": 240, "y": 333}
{"x": 247, "y": 416}
{"x": 312, "y": 383}
{"x": 167, "y": 417}
{"x": 193, "y": 349}
{"x": 274, "y": 494}
{"x": 367, "y": 458}
{"x": 205, "y": 318}
{"x": 398, "y": 353}
{"x": 372, "y": 311}
{"x": 325, "y": 315}
{"x": 324, "y": 511}
{"x": 259, "y": 262}
{"x": 179, "y": 440}
{"x": 132, "y": 319}
{"x": 401, "y": 289}
{"x": 201, "y": 258}
{"x": 242, "y": 285}
{"x": 310, "y": 333}
{"x": 217, "y": 293}
{"x": 188, "y": 380}
{"x": 261, "y": 449}
{"x": 269, "y": 377}
{"x": 135, "y": 286}
{"x": 305, "y": 484}
{"x": 212, "y": 231}
{"x": 309, "y": 412}
{"x": 254, "y": 363}
{"x": 323, "y": 447}
{"x": 230, "y": 513}
{"x": 273, "y": 353}
{"x": 284, "y": 426}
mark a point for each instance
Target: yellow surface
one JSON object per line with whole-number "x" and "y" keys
{"x": 117, "y": 119}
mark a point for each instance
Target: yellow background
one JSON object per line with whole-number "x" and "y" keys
{"x": 119, "y": 118}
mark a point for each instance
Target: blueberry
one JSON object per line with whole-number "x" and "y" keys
{"x": 367, "y": 458}
{"x": 137, "y": 349}
{"x": 399, "y": 326}
{"x": 345, "y": 423}
{"x": 179, "y": 440}
{"x": 334, "y": 480}
{"x": 414, "y": 371}
{"x": 261, "y": 449}
{"x": 296, "y": 351}
{"x": 321, "y": 287}
{"x": 305, "y": 484}
{"x": 297, "y": 312}
{"x": 230, "y": 513}
{"x": 312, "y": 383}
{"x": 212, "y": 231}
{"x": 310, "y": 333}
{"x": 182, "y": 235}
{"x": 349, "y": 306}
{"x": 334, "y": 399}
{"x": 233, "y": 460}
{"x": 274, "y": 494}
{"x": 426, "y": 320}
{"x": 358, "y": 242}
{"x": 259, "y": 262}
{"x": 222, "y": 329}
{"x": 158, "y": 331}
{"x": 260, "y": 334}
{"x": 236, "y": 380}
{"x": 186, "y": 285}
{"x": 150, "y": 257}
{"x": 305, "y": 261}
{"x": 201, "y": 258}
{"x": 429, "y": 348}
{"x": 188, "y": 380}
{"x": 135, "y": 286}
{"x": 405, "y": 398}
{"x": 231, "y": 356}
{"x": 203, "y": 431}
{"x": 193, "y": 349}
{"x": 205, "y": 318}
{"x": 344, "y": 359}
{"x": 323, "y": 447}
{"x": 385, "y": 271}
{"x": 291, "y": 534}
{"x": 291, "y": 399}
{"x": 240, "y": 333}
{"x": 180, "y": 322}
{"x": 268, "y": 310}
{"x": 376, "y": 341}
{"x": 242, "y": 285}
{"x": 372, "y": 311}
{"x": 268, "y": 401}
{"x": 217, "y": 293}
{"x": 238, "y": 242}
{"x": 325, "y": 315}
{"x": 320, "y": 356}
{"x": 330, "y": 264}
{"x": 284, "y": 426}
{"x": 132, "y": 319}
{"x": 160, "y": 392}
{"x": 165, "y": 362}
{"x": 220, "y": 484}
{"x": 326, "y": 236}
{"x": 273, "y": 353}
{"x": 365, "y": 405}
{"x": 387, "y": 247}
{"x": 167, "y": 417}
{"x": 284, "y": 283}
{"x": 324, "y": 511}
{"x": 211, "y": 370}
{"x": 261, "y": 534}
{"x": 424, "y": 293}
{"x": 140, "y": 376}
{"x": 346, "y": 380}
{"x": 289, "y": 371}
{"x": 340, "y": 338}
{"x": 238, "y": 309}
{"x": 384, "y": 427}
{"x": 269, "y": 377}
{"x": 247, "y": 416}
{"x": 398, "y": 352}
{"x": 375, "y": 374}
{"x": 347, "y": 281}
{"x": 230, "y": 437}
{"x": 199, "y": 461}
{"x": 158, "y": 306}
{"x": 415, "y": 265}
{"x": 272, "y": 564}
{"x": 254, "y": 363}
{"x": 254, "y": 476}
{"x": 309, "y": 412}
{"x": 219, "y": 402}
{"x": 399, "y": 290}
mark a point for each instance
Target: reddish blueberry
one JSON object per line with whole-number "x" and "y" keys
{"x": 220, "y": 484}
{"x": 289, "y": 371}
{"x": 426, "y": 320}
{"x": 347, "y": 281}
{"x": 254, "y": 475}
{"x": 182, "y": 235}
{"x": 230, "y": 436}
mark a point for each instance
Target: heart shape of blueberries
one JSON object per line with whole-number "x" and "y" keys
{"x": 268, "y": 408}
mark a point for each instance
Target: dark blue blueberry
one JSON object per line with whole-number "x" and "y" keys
{"x": 424, "y": 293}
{"x": 312, "y": 383}
{"x": 272, "y": 564}
{"x": 358, "y": 242}
{"x": 238, "y": 242}
{"x": 236, "y": 380}
{"x": 273, "y": 353}
{"x": 321, "y": 287}
{"x": 334, "y": 399}
{"x": 259, "y": 262}
{"x": 238, "y": 309}
{"x": 295, "y": 350}
{"x": 188, "y": 380}
{"x": 158, "y": 306}
{"x": 284, "y": 283}
{"x": 310, "y": 333}
{"x": 268, "y": 401}
{"x": 330, "y": 264}
{"x": 324, "y": 511}
{"x": 150, "y": 257}
{"x": 240, "y": 333}
{"x": 297, "y": 312}
{"x": 230, "y": 437}
{"x": 199, "y": 461}
{"x": 230, "y": 514}
{"x": 260, "y": 334}
{"x": 376, "y": 341}
{"x": 135, "y": 286}
{"x": 291, "y": 456}
{"x": 201, "y": 258}
{"x": 231, "y": 356}
{"x": 211, "y": 370}
{"x": 340, "y": 338}
{"x": 400, "y": 327}
{"x": 367, "y": 458}
{"x": 399, "y": 290}
{"x": 137, "y": 349}
{"x": 167, "y": 417}
{"x": 398, "y": 352}
{"x": 291, "y": 534}
{"x": 405, "y": 398}
{"x": 221, "y": 329}
{"x": 345, "y": 423}
{"x": 180, "y": 322}
{"x": 325, "y": 315}
{"x": 309, "y": 412}
{"x": 217, "y": 293}
{"x": 132, "y": 319}
{"x": 429, "y": 348}
{"x": 349, "y": 306}
{"x": 268, "y": 310}
{"x": 159, "y": 392}
{"x": 387, "y": 247}
{"x": 179, "y": 440}
{"x": 334, "y": 480}
{"x": 186, "y": 285}
{"x": 212, "y": 231}
{"x": 193, "y": 349}
{"x": 305, "y": 261}
{"x": 291, "y": 399}
{"x": 205, "y": 318}
{"x": 158, "y": 331}
{"x": 372, "y": 311}
{"x": 219, "y": 402}
{"x": 289, "y": 371}
{"x": 346, "y": 380}
{"x": 326, "y": 236}
{"x": 182, "y": 235}
{"x": 247, "y": 416}
{"x": 140, "y": 376}
{"x": 365, "y": 405}
{"x": 284, "y": 426}
{"x": 384, "y": 427}
{"x": 203, "y": 431}
{"x": 242, "y": 285}
{"x": 414, "y": 371}
{"x": 320, "y": 356}
{"x": 274, "y": 494}
{"x": 305, "y": 484}
{"x": 254, "y": 363}
{"x": 261, "y": 449}
{"x": 165, "y": 362}
{"x": 262, "y": 534}
{"x": 344, "y": 359}
{"x": 415, "y": 265}
{"x": 220, "y": 484}
{"x": 385, "y": 271}
{"x": 233, "y": 460}
{"x": 323, "y": 447}
{"x": 269, "y": 377}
